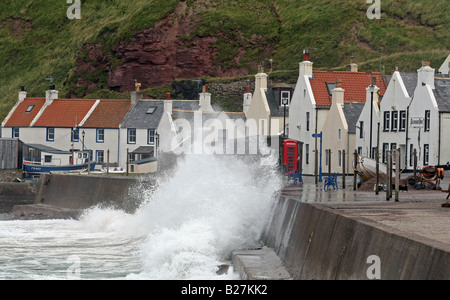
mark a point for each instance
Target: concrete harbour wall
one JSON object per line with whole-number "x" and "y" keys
{"x": 316, "y": 242}
{"x": 15, "y": 193}
{"x": 66, "y": 196}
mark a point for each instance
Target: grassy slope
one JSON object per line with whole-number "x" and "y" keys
{"x": 45, "y": 43}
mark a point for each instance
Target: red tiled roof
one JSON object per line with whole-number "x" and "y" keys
{"x": 354, "y": 84}
{"x": 21, "y": 118}
{"x": 108, "y": 113}
{"x": 65, "y": 113}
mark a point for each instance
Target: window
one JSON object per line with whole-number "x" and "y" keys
{"x": 48, "y": 158}
{"x": 402, "y": 120}
{"x": 307, "y": 154}
{"x": 132, "y": 136}
{"x": 426, "y": 127}
{"x": 361, "y": 129}
{"x": 393, "y": 146}
{"x": 307, "y": 121}
{"x": 151, "y": 110}
{"x": 75, "y": 135}
{"x": 100, "y": 135}
{"x": 100, "y": 156}
{"x": 394, "y": 121}
{"x": 151, "y": 136}
{"x": 385, "y": 150}
{"x": 15, "y": 132}
{"x": 131, "y": 168}
{"x": 426, "y": 154}
{"x": 30, "y": 108}
{"x": 327, "y": 157}
{"x": 386, "y": 121}
{"x": 285, "y": 95}
{"x": 359, "y": 150}
{"x": 339, "y": 133}
{"x": 50, "y": 134}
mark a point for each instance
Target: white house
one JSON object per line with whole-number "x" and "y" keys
{"x": 68, "y": 125}
{"x": 429, "y": 118}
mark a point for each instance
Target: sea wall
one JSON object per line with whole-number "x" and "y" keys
{"x": 66, "y": 196}
{"x": 316, "y": 242}
{"x": 15, "y": 193}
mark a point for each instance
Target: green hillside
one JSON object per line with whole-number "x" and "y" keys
{"x": 38, "y": 41}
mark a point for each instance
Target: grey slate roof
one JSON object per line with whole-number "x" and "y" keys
{"x": 138, "y": 117}
{"x": 351, "y": 112}
{"x": 410, "y": 81}
{"x": 442, "y": 93}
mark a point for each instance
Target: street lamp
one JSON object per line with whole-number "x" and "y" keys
{"x": 284, "y": 101}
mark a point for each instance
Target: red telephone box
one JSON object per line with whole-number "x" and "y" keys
{"x": 290, "y": 155}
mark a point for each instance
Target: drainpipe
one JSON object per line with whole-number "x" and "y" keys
{"x": 407, "y": 131}
{"x": 315, "y": 153}
{"x": 439, "y": 140}
{"x": 118, "y": 147}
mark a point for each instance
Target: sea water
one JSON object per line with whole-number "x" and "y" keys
{"x": 185, "y": 229}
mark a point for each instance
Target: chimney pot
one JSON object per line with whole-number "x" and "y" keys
{"x": 374, "y": 80}
{"x": 168, "y": 96}
{"x": 305, "y": 55}
{"x": 338, "y": 82}
{"x": 247, "y": 89}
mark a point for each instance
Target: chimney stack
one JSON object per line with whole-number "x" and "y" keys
{"x": 261, "y": 79}
{"x": 338, "y": 93}
{"x": 168, "y": 103}
{"x": 135, "y": 97}
{"x": 306, "y": 66}
{"x": 51, "y": 94}
{"x": 247, "y": 99}
{"x": 22, "y": 93}
{"x": 352, "y": 67}
{"x": 205, "y": 100}
{"x": 426, "y": 75}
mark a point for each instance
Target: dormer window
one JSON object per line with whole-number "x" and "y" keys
{"x": 151, "y": 110}
{"x": 330, "y": 87}
{"x": 30, "y": 108}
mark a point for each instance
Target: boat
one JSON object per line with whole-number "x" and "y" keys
{"x": 368, "y": 168}
{"x": 37, "y": 169}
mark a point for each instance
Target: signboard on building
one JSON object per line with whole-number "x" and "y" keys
{"x": 416, "y": 122}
